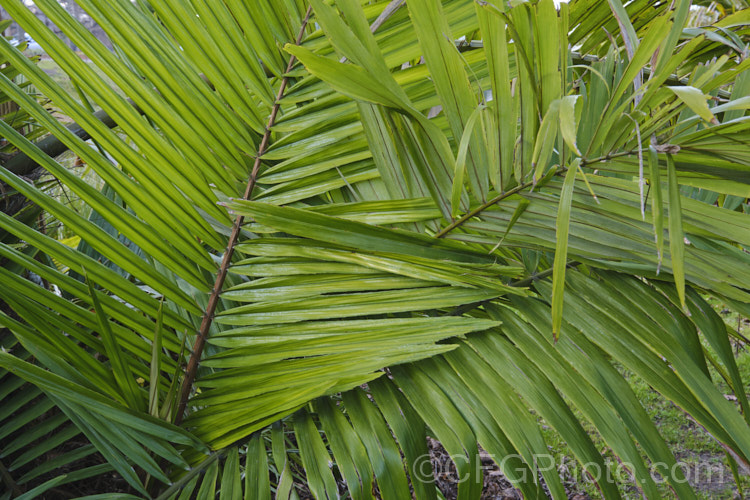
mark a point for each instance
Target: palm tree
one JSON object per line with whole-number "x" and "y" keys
{"x": 330, "y": 230}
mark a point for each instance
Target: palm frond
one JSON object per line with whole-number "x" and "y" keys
{"x": 330, "y": 231}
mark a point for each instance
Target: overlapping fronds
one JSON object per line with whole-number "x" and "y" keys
{"x": 330, "y": 230}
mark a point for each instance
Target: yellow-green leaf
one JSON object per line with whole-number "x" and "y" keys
{"x": 696, "y": 101}
{"x": 676, "y": 235}
{"x": 568, "y": 125}
{"x": 561, "y": 248}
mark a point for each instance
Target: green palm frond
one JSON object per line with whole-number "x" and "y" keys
{"x": 331, "y": 230}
